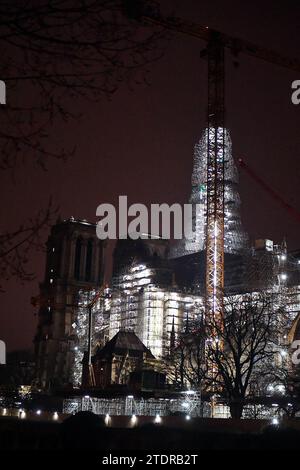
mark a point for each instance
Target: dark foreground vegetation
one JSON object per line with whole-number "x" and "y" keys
{"x": 87, "y": 431}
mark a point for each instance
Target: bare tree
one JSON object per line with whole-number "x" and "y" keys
{"x": 53, "y": 51}
{"x": 187, "y": 360}
{"x": 242, "y": 345}
{"x": 15, "y": 246}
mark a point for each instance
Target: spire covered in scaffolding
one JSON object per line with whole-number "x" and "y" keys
{"x": 235, "y": 238}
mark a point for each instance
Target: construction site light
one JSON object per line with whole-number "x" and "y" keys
{"x": 133, "y": 419}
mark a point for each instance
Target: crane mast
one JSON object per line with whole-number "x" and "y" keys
{"x": 215, "y": 180}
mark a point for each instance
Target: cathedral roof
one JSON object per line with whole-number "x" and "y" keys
{"x": 124, "y": 342}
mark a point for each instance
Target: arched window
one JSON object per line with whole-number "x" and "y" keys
{"x": 77, "y": 258}
{"x": 89, "y": 257}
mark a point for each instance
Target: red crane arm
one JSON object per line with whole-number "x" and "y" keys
{"x": 292, "y": 211}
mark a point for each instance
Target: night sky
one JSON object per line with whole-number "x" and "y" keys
{"x": 141, "y": 142}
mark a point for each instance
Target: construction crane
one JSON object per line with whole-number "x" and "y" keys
{"x": 290, "y": 209}
{"x": 214, "y": 52}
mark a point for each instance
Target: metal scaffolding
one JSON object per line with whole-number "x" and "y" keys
{"x": 139, "y": 305}
{"x": 235, "y": 238}
{"x": 187, "y": 403}
{"x": 99, "y": 328}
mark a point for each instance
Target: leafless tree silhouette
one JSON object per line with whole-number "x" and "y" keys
{"x": 187, "y": 362}
{"x": 16, "y": 246}
{"x": 53, "y": 51}
{"x": 243, "y": 345}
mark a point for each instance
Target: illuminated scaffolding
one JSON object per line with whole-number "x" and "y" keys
{"x": 138, "y": 305}
{"x": 80, "y": 326}
{"x": 186, "y": 403}
{"x": 235, "y": 238}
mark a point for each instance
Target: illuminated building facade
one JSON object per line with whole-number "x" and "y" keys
{"x": 145, "y": 297}
{"x": 151, "y": 304}
{"x": 158, "y": 310}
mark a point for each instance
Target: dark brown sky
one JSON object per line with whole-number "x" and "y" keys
{"x": 141, "y": 143}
